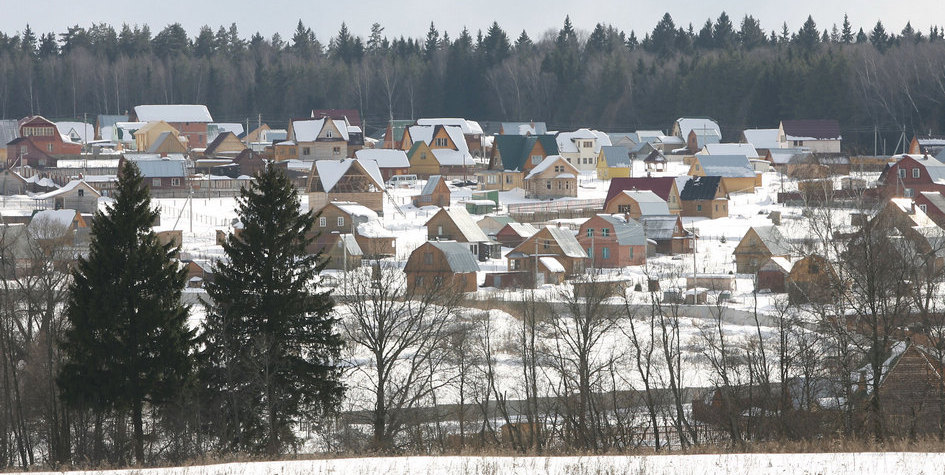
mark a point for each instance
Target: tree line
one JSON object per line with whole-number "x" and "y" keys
{"x": 737, "y": 72}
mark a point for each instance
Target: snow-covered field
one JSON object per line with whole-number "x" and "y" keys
{"x": 854, "y": 463}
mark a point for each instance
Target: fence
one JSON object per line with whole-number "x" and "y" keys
{"x": 170, "y": 213}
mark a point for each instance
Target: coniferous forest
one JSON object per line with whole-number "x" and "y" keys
{"x": 738, "y": 71}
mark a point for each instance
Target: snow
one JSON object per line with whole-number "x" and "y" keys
{"x": 865, "y": 463}
{"x": 308, "y": 130}
{"x": 173, "y": 113}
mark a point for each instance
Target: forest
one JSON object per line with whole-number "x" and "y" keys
{"x": 872, "y": 79}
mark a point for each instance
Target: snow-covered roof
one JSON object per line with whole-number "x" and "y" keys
{"x": 650, "y": 203}
{"x": 457, "y": 255}
{"x": 235, "y": 127}
{"x": 762, "y": 138}
{"x": 567, "y": 242}
{"x": 330, "y": 171}
{"x": 745, "y": 149}
{"x": 659, "y": 227}
{"x": 73, "y": 184}
{"x": 431, "y": 184}
{"x": 78, "y": 132}
{"x": 309, "y": 130}
{"x": 566, "y": 140}
{"x": 933, "y": 167}
{"x": 773, "y": 239}
{"x": 469, "y": 127}
{"x": 355, "y": 209}
{"x": 686, "y": 124}
{"x": 173, "y": 113}
{"x": 552, "y": 264}
{"x": 628, "y": 231}
{"x": 448, "y": 157}
{"x": 547, "y": 163}
{"x": 524, "y": 128}
{"x": 374, "y": 229}
{"x": 782, "y": 156}
{"x": 649, "y": 136}
{"x": 465, "y": 224}
{"x": 728, "y": 166}
{"x": 161, "y": 168}
{"x": 385, "y": 158}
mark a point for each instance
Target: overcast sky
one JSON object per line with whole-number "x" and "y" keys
{"x": 412, "y": 17}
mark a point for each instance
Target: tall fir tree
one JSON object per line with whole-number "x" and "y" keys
{"x": 128, "y": 344}
{"x": 269, "y": 341}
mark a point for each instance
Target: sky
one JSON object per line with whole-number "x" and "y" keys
{"x": 411, "y": 18}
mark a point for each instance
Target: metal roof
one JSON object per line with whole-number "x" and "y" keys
{"x": 457, "y": 255}
{"x": 161, "y": 168}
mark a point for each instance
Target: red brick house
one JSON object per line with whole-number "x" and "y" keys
{"x": 39, "y": 144}
{"x": 612, "y": 241}
{"x": 911, "y": 175}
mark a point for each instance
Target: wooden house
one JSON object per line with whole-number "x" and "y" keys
{"x": 812, "y": 280}
{"x": 667, "y": 188}
{"x": 926, "y": 145}
{"x": 352, "y": 180}
{"x": 911, "y": 390}
{"x": 758, "y": 245}
{"x": 554, "y": 177}
{"x": 191, "y": 120}
{"x": 704, "y": 196}
{"x": 613, "y": 241}
{"x": 668, "y": 234}
{"x": 146, "y": 135}
{"x": 456, "y": 224}
{"x": 394, "y": 134}
{"x": 614, "y": 162}
{"x": 773, "y": 275}
{"x": 437, "y": 150}
{"x": 225, "y": 145}
{"x": 559, "y": 243}
{"x": 321, "y": 138}
{"x": 636, "y": 203}
{"x": 441, "y": 266}
{"x": 161, "y": 175}
{"x": 492, "y": 224}
{"x": 513, "y": 156}
{"x": 342, "y": 250}
{"x": 513, "y": 234}
{"x": 435, "y": 193}
{"x": 736, "y": 171}
{"x": 77, "y": 195}
{"x": 167, "y": 144}
{"x": 470, "y": 131}
{"x": 390, "y": 162}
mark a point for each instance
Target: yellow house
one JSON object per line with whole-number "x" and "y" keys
{"x": 256, "y": 135}
{"x": 736, "y": 171}
{"x": 426, "y": 161}
{"x": 285, "y": 150}
{"x": 422, "y": 160}
{"x": 147, "y": 135}
{"x": 613, "y": 161}
{"x": 226, "y": 144}
{"x": 167, "y": 144}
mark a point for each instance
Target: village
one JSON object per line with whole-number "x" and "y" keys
{"x": 731, "y": 232}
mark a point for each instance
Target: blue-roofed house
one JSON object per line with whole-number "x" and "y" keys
{"x": 613, "y": 241}
{"x": 160, "y": 174}
{"x": 614, "y": 162}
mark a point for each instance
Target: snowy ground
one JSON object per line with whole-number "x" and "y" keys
{"x": 859, "y": 463}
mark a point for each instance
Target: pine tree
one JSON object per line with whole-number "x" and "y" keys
{"x": 846, "y": 36}
{"x": 269, "y": 342}
{"x": 127, "y": 343}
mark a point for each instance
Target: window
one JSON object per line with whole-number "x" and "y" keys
{"x": 698, "y": 207}
{"x": 82, "y": 193}
{"x": 588, "y": 144}
{"x": 175, "y": 181}
{"x": 423, "y": 156}
{"x": 49, "y": 147}
{"x": 915, "y": 173}
{"x": 590, "y": 232}
{"x": 508, "y": 179}
{"x": 548, "y": 184}
{"x": 336, "y": 151}
{"x": 631, "y": 252}
{"x": 716, "y": 207}
{"x": 155, "y": 182}
{"x": 624, "y": 209}
{"x": 902, "y": 173}
{"x": 329, "y": 134}
{"x": 536, "y": 159}
{"x": 428, "y": 258}
{"x": 491, "y": 179}
{"x": 590, "y": 253}
{"x": 605, "y": 252}
{"x": 559, "y": 168}
{"x": 605, "y": 232}
{"x": 306, "y": 150}
{"x": 23, "y": 148}
{"x": 322, "y": 221}
{"x": 922, "y": 207}
{"x": 908, "y": 193}
{"x": 341, "y": 221}
{"x": 441, "y": 142}
{"x": 419, "y": 281}
{"x": 439, "y": 230}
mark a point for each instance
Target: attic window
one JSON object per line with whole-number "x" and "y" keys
{"x": 329, "y": 134}
{"x": 81, "y": 193}
{"x": 441, "y": 142}
{"x": 536, "y": 159}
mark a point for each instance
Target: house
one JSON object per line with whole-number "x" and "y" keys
{"x": 375, "y": 240}
{"x": 341, "y": 250}
{"x": 9, "y": 130}
{"x": 150, "y": 132}
{"x": 523, "y": 128}
{"x": 359, "y": 221}
{"x": 492, "y": 224}
{"x": 426, "y": 162}
{"x": 390, "y": 162}
{"x": 762, "y": 140}
{"x": 76, "y": 132}
{"x": 704, "y": 196}
{"x": 926, "y": 145}
{"x": 321, "y": 139}
{"x": 191, "y": 120}
{"x": 581, "y": 147}
{"x": 470, "y": 129}
{"x": 160, "y": 174}
{"x": 38, "y": 144}
{"x": 624, "y": 139}
{"x": 447, "y": 144}
{"x": 932, "y": 203}
{"x": 911, "y": 175}
{"x": 557, "y": 243}
{"x": 352, "y": 180}
{"x": 513, "y": 234}
{"x": 614, "y": 162}
{"x": 249, "y": 163}
{"x": 394, "y": 134}
{"x": 511, "y": 157}
{"x": 668, "y": 233}
{"x": 745, "y": 149}
{"x": 667, "y": 188}
{"x": 818, "y": 136}
{"x": 456, "y": 224}
{"x": 12, "y": 183}
{"x": 736, "y": 171}
{"x": 225, "y": 145}
{"x": 636, "y": 203}
{"x": 105, "y": 125}
{"x": 167, "y": 143}
{"x": 613, "y": 241}
{"x": 77, "y": 195}
{"x": 441, "y": 266}
{"x": 285, "y": 150}
{"x": 553, "y": 178}
{"x": 806, "y": 166}
{"x": 435, "y": 193}
{"x": 696, "y": 132}
{"x": 58, "y": 227}
{"x": 911, "y": 390}
{"x": 812, "y": 280}
{"x": 759, "y": 244}
{"x": 773, "y": 275}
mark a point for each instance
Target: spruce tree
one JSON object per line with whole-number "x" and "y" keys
{"x": 269, "y": 343}
{"x": 127, "y": 343}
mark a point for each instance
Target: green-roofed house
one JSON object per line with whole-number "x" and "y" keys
{"x": 512, "y": 157}
{"x": 395, "y": 133}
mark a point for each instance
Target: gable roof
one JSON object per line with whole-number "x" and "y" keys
{"x": 772, "y": 238}
{"x": 809, "y": 129}
{"x": 464, "y": 223}
{"x": 935, "y": 198}
{"x": 616, "y": 155}
{"x": 309, "y": 130}
{"x": 761, "y": 138}
{"x": 164, "y": 139}
{"x": 700, "y": 188}
{"x": 76, "y": 131}
{"x": 728, "y": 166}
{"x": 397, "y": 128}
{"x": 73, "y": 184}
{"x": 628, "y": 231}
{"x": 702, "y": 125}
{"x": 173, "y": 113}
{"x": 431, "y": 185}
{"x": 524, "y": 128}
{"x": 525, "y": 230}
{"x": 934, "y": 167}
{"x": 468, "y": 127}
{"x": 662, "y": 186}
{"x": 548, "y": 162}
{"x": 452, "y": 158}
{"x": 457, "y": 255}
{"x": 330, "y": 171}
{"x": 566, "y": 140}
{"x": 212, "y": 146}
{"x": 660, "y": 227}
{"x": 648, "y": 201}
{"x": 385, "y": 158}
{"x": 745, "y": 149}
{"x": 352, "y": 115}
{"x": 161, "y": 168}
{"x": 514, "y": 149}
